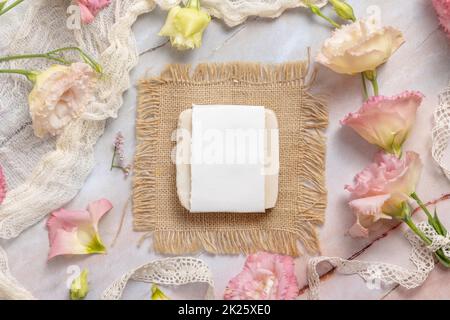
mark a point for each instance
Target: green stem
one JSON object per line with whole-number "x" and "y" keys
{"x": 376, "y": 89}
{"x": 10, "y": 7}
{"x": 52, "y": 55}
{"x": 193, "y": 4}
{"x": 408, "y": 220}
{"x": 31, "y": 75}
{"x": 33, "y": 56}
{"x": 373, "y": 78}
{"x": 316, "y": 10}
{"x": 83, "y": 55}
{"x": 440, "y": 255}
{"x": 422, "y": 205}
{"x": 365, "y": 91}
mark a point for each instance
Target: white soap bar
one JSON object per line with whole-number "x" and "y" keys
{"x": 227, "y": 159}
{"x": 183, "y": 156}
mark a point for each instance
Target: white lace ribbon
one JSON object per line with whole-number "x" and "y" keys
{"x": 421, "y": 256}
{"x": 172, "y": 271}
{"x": 441, "y": 132}
{"x": 10, "y": 289}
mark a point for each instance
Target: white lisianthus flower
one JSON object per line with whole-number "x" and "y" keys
{"x": 60, "y": 94}
{"x": 358, "y": 47}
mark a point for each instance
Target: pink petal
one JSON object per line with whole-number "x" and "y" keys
{"x": 90, "y": 8}
{"x": 358, "y": 231}
{"x": 98, "y": 209}
{"x": 367, "y": 211}
{"x": 76, "y": 232}
{"x": 86, "y": 15}
{"x": 407, "y": 181}
{"x": 66, "y": 242}
{"x": 386, "y": 175}
{"x": 63, "y": 219}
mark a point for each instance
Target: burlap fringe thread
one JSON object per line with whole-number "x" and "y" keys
{"x": 311, "y": 200}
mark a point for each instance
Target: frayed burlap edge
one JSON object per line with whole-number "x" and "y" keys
{"x": 311, "y": 200}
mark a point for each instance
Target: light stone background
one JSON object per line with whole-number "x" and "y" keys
{"x": 421, "y": 64}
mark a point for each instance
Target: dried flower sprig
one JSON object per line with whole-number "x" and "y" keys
{"x": 118, "y": 158}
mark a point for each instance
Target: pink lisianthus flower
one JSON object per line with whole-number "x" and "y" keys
{"x": 381, "y": 190}
{"x": 265, "y": 276}
{"x": 386, "y": 121}
{"x": 90, "y": 8}
{"x": 2, "y": 186}
{"x": 443, "y": 11}
{"x": 76, "y": 232}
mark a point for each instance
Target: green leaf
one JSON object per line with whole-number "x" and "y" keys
{"x": 442, "y": 230}
{"x": 442, "y": 258}
{"x": 2, "y": 4}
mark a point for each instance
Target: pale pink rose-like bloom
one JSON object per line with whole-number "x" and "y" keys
{"x": 60, "y": 95}
{"x": 76, "y": 232}
{"x": 2, "y": 185}
{"x": 265, "y": 276}
{"x": 360, "y": 46}
{"x": 90, "y": 8}
{"x": 443, "y": 11}
{"x": 380, "y": 189}
{"x": 386, "y": 121}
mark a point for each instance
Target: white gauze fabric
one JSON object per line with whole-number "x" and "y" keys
{"x": 10, "y": 289}
{"x": 44, "y": 174}
{"x": 227, "y": 159}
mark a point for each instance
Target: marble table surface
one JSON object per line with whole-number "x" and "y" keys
{"x": 421, "y": 64}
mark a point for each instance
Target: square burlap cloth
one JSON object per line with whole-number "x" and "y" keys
{"x": 302, "y": 194}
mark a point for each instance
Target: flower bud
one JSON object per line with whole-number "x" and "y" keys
{"x": 343, "y": 10}
{"x": 80, "y": 287}
{"x": 157, "y": 294}
{"x": 185, "y": 26}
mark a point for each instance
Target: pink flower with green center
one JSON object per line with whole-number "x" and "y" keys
{"x": 386, "y": 121}
{"x": 381, "y": 189}
{"x": 76, "y": 232}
